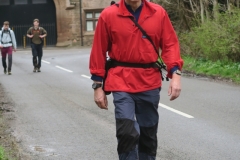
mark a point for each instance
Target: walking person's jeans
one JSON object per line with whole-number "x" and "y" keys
{"x": 136, "y": 124}
{"x": 4, "y": 52}
{"x": 37, "y": 53}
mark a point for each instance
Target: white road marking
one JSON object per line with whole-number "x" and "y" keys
{"x": 45, "y": 62}
{"x": 64, "y": 69}
{"x": 175, "y": 111}
{"x": 85, "y": 76}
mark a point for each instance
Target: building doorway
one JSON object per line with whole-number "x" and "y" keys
{"x": 20, "y": 14}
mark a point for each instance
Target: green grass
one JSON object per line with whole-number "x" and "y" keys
{"x": 225, "y": 70}
{"x": 2, "y": 154}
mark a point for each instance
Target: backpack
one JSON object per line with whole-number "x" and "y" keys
{"x": 9, "y": 35}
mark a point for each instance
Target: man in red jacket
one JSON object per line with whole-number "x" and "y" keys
{"x": 134, "y": 82}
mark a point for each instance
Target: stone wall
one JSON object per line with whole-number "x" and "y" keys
{"x": 68, "y": 21}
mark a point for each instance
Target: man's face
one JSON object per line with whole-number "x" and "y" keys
{"x": 6, "y": 26}
{"x": 36, "y": 24}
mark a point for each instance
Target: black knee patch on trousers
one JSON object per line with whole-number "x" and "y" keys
{"x": 148, "y": 140}
{"x": 127, "y": 135}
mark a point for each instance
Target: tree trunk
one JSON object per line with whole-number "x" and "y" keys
{"x": 215, "y": 9}
{"x": 206, "y": 6}
{"x": 228, "y": 5}
{"x": 191, "y": 4}
{"x": 202, "y": 11}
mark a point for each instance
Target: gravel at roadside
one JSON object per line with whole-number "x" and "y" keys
{"x": 7, "y": 140}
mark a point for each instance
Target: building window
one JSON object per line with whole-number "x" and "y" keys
{"x": 39, "y": 1}
{"x": 4, "y": 2}
{"x": 91, "y": 20}
{"x": 20, "y": 2}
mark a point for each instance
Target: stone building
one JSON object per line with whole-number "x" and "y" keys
{"x": 73, "y": 27}
{"x": 68, "y": 22}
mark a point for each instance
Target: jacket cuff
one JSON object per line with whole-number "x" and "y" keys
{"x": 174, "y": 69}
{"x": 96, "y": 78}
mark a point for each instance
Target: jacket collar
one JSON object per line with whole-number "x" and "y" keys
{"x": 146, "y": 12}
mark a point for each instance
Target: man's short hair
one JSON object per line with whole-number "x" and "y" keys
{"x": 113, "y": 2}
{"x": 36, "y": 20}
{"x": 6, "y": 23}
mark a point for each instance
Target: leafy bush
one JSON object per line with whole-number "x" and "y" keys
{"x": 214, "y": 40}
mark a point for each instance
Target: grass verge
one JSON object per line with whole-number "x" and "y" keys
{"x": 220, "y": 70}
{"x": 2, "y": 154}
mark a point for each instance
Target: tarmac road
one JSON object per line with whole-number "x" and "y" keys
{"x": 57, "y": 119}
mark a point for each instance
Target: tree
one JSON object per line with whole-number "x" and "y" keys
{"x": 202, "y": 10}
{"x": 215, "y": 9}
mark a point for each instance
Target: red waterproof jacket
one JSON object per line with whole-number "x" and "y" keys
{"x": 117, "y": 34}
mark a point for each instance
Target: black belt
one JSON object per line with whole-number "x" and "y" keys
{"x": 133, "y": 65}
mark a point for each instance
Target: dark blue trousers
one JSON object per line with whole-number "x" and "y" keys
{"x": 136, "y": 124}
{"x": 37, "y": 53}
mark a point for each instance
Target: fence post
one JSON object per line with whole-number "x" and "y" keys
{"x": 44, "y": 42}
{"x": 24, "y": 41}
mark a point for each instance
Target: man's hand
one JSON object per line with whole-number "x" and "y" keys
{"x": 42, "y": 36}
{"x": 100, "y": 98}
{"x": 1, "y": 46}
{"x": 30, "y": 36}
{"x": 175, "y": 87}
{"x": 14, "y": 50}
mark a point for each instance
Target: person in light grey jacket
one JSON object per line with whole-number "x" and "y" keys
{"x": 7, "y": 44}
